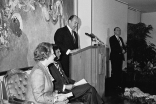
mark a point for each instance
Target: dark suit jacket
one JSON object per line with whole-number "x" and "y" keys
{"x": 64, "y": 39}
{"x": 116, "y": 49}
{"x": 59, "y": 81}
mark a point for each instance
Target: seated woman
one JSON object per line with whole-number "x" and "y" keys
{"x": 40, "y": 82}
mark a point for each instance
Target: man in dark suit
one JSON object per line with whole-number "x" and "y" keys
{"x": 67, "y": 39}
{"x": 83, "y": 93}
{"x": 117, "y": 56}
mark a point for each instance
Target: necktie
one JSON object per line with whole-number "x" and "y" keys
{"x": 120, "y": 42}
{"x": 58, "y": 67}
{"x": 62, "y": 73}
{"x": 73, "y": 36}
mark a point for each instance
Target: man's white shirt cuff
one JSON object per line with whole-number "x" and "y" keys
{"x": 68, "y": 51}
{"x": 64, "y": 86}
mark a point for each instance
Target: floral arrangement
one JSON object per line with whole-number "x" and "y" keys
{"x": 135, "y": 94}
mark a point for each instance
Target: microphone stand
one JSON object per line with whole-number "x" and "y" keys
{"x": 97, "y": 39}
{"x": 94, "y": 38}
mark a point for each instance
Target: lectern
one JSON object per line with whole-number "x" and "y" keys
{"x": 89, "y": 63}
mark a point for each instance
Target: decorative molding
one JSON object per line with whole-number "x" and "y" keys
{"x": 134, "y": 9}
{"x": 121, "y": 2}
{"x": 129, "y": 7}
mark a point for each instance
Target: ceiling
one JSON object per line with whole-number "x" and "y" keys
{"x": 144, "y": 6}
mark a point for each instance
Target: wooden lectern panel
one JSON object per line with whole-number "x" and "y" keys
{"x": 89, "y": 63}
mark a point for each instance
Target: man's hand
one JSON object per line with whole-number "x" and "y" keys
{"x": 69, "y": 87}
{"x": 123, "y": 51}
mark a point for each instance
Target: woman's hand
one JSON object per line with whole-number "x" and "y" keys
{"x": 61, "y": 97}
{"x": 55, "y": 93}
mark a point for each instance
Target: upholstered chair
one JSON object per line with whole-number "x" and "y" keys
{"x": 16, "y": 86}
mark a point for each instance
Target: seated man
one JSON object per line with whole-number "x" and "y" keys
{"x": 83, "y": 93}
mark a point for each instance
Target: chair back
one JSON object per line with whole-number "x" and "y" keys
{"x": 16, "y": 83}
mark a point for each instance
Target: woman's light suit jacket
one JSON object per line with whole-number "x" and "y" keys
{"x": 40, "y": 85}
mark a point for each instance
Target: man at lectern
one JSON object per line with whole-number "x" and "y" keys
{"x": 67, "y": 39}
{"x": 82, "y": 92}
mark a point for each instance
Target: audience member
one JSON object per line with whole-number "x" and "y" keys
{"x": 40, "y": 82}
{"x": 84, "y": 93}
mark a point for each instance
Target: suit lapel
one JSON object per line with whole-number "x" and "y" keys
{"x": 46, "y": 73}
{"x": 121, "y": 41}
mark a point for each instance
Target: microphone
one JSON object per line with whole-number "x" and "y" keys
{"x": 90, "y": 35}
{"x": 95, "y": 37}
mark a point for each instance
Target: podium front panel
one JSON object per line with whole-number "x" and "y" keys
{"x": 89, "y": 63}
